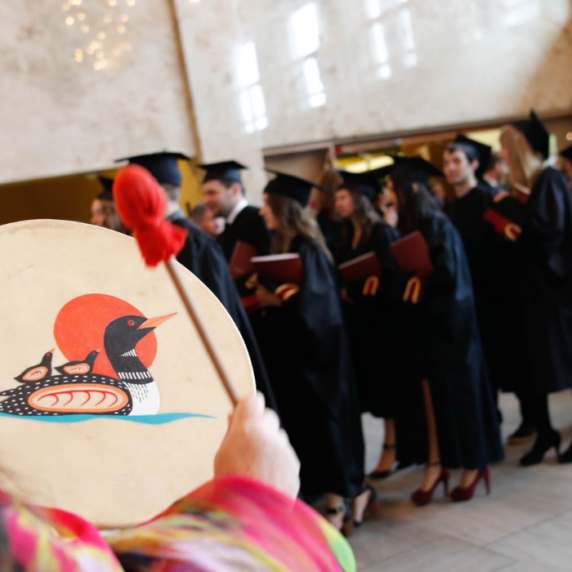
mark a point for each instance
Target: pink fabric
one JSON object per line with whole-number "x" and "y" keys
{"x": 231, "y": 523}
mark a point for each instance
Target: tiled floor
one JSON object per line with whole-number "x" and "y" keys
{"x": 524, "y": 526}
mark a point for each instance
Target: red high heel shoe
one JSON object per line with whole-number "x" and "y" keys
{"x": 421, "y": 498}
{"x": 466, "y": 494}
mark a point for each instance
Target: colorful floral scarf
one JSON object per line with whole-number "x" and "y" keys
{"x": 231, "y": 523}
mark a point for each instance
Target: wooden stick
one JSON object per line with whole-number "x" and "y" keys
{"x": 194, "y": 313}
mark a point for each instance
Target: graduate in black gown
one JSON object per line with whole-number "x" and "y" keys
{"x": 463, "y": 164}
{"x": 496, "y": 174}
{"x": 482, "y": 156}
{"x": 538, "y": 312}
{"x": 224, "y": 195}
{"x": 310, "y": 364}
{"x": 369, "y": 310}
{"x": 328, "y": 218}
{"x": 103, "y": 210}
{"x": 204, "y": 257}
{"x": 566, "y": 155}
{"x": 445, "y": 412}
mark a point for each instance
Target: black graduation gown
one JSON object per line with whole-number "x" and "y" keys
{"x": 249, "y": 227}
{"x": 204, "y": 258}
{"x": 438, "y": 340}
{"x": 484, "y": 185}
{"x": 369, "y": 323}
{"x": 538, "y": 308}
{"x": 487, "y": 265}
{"x": 309, "y": 365}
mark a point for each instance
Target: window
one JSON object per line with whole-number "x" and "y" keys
{"x": 252, "y": 102}
{"x": 304, "y": 34}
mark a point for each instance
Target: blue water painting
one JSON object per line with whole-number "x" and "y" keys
{"x": 159, "y": 419}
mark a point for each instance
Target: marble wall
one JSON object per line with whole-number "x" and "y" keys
{"x": 232, "y": 78}
{"x": 212, "y": 40}
{"x": 84, "y": 82}
{"x": 335, "y": 69}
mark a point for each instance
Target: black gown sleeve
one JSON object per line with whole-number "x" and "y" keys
{"x": 320, "y": 327}
{"x": 205, "y": 259}
{"x": 448, "y": 303}
{"x": 548, "y": 230}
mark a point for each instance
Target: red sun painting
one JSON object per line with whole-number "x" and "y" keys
{"x": 80, "y": 327}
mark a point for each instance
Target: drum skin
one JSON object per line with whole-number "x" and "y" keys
{"x": 108, "y": 445}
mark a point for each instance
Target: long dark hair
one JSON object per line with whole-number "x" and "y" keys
{"x": 415, "y": 204}
{"x": 293, "y": 221}
{"x": 364, "y": 215}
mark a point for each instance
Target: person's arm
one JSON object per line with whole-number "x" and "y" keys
{"x": 246, "y": 518}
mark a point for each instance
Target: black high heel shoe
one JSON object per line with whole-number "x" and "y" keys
{"x": 566, "y": 457}
{"x": 378, "y": 475}
{"x": 544, "y": 442}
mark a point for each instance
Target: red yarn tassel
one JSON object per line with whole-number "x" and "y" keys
{"x": 141, "y": 205}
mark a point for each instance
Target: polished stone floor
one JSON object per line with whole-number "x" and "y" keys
{"x": 524, "y": 526}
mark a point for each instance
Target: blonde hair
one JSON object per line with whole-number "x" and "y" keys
{"x": 524, "y": 164}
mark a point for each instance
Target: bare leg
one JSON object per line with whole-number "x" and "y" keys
{"x": 359, "y": 504}
{"x": 388, "y": 454}
{"x": 433, "y": 469}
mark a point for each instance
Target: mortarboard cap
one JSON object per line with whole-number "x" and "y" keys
{"x": 363, "y": 183}
{"x": 107, "y": 193}
{"x": 536, "y": 133}
{"x": 224, "y": 170}
{"x": 163, "y": 166}
{"x": 483, "y": 153}
{"x": 567, "y": 153}
{"x": 415, "y": 169}
{"x": 381, "y": 172}
{"x": 291, "y": 187}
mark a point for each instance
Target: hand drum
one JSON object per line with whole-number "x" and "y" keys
{"x": 109, "y": 404}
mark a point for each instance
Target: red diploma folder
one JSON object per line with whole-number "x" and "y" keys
{"x": 503, "y": 226}
{"x": 360, "y": 268}
{"x": 240, "y": 263}
{"x": 521, "y": 193}
{"x": 279, "y": 268}
{"x": 412, "y": 254}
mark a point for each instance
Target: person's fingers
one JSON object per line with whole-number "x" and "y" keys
{"x": 248, "y": 408}
{"x": 283, "y": 436}
{"x": 261, "y": 402}
{"x": 230, "y": 418}
{"x": 272, "y": 422}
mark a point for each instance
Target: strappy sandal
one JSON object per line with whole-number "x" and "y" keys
{"x": 348, "y": 525}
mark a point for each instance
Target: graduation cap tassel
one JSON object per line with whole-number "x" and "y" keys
{"x": 141, "y": 205}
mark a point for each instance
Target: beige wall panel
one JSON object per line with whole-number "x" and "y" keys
{"x": 60, "y": 116}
